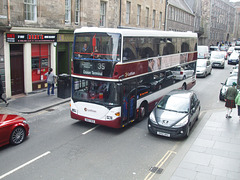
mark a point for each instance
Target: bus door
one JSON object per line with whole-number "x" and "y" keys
{"x": 129, "y": 101}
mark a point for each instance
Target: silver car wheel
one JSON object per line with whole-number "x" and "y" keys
{"x": 17, "y": 136}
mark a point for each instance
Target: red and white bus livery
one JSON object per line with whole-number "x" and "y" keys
{"x": 120, "y": 74}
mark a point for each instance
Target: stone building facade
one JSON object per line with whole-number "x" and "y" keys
{"x": 237, "y": 21}
{"x": 179, "y": 17}
{"x": 196, "y": 6}
{"x": 148, "y": 14}
{"x": 218, "y": 21}
{"x": 37, "y": 35}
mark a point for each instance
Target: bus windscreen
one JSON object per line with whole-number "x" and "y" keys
{"x": 96, "y": 53}
{"x": 99, "y": 92}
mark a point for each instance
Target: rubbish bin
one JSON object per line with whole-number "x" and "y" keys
{"x": 64, "y": 86}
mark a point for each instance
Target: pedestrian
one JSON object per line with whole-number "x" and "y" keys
{"x": 50, "y": 80}
{"x": 231, "y": 94}
{"x": 2, "y": 91}
{"x": 237, "y": 102}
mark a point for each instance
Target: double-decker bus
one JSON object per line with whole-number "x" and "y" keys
{"x": 118, "y": 75}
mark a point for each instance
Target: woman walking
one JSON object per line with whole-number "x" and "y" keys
{"x": 231, "y": 94}
{"x": 50, "y": 80}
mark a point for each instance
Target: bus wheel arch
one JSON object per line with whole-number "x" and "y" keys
{"x": 143, "y": 111}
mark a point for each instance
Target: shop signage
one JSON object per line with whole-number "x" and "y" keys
{"x": 12, "y": 38}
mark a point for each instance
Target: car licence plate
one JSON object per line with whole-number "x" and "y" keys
{"x": 90, "y": 120}
{"x": 163, "y": 134}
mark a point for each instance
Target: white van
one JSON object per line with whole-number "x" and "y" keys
{"x": 203, "y": 52}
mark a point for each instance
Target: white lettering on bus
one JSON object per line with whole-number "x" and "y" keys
{"x": 127, "y": 74}
{"x": 97, "y": 73}
{"x": 86, "y": 72}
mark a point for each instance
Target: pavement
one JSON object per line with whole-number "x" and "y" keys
{"x": 211, "y": 152}
{"x": 32, "y": 103}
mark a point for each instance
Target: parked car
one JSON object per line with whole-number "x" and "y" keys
{"x": 213, "y": 48}
{"x": 162, "y": 80}
{"x": 13, "y": 129}
{"x": 217, "y": 59}
{"x": 234, "y": 58}
{"x": 230, "y": 50}
{"x": 204, "y": 67}
{"x": 228, "y": 83}
{"x": 236, "y": 66}
{"x": 175, "y": 114}
{"x": 234, "y": 72}
{"x": 182, "y": 72}
{"x": 224, "y": 54}
{"x": 203, "y": 52}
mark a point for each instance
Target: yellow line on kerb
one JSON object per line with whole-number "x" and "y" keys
{"x": 160, "y": 163}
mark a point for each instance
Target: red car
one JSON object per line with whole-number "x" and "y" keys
{"x": 13, "y": 129}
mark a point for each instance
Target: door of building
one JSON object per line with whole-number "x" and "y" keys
{"x": 17, "y": 73}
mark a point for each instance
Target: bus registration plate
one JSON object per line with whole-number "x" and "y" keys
{"x": 163, "y": 134}
{"x": 90, "y": 120}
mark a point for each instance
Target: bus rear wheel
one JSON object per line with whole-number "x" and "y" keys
{"x": 142, "y": 112}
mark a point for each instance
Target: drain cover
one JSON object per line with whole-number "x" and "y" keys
{"x": 156, "y": 170}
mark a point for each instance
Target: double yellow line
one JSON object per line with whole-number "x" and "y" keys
{"x": 160, "y": 163}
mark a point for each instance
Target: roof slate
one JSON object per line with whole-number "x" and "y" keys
{"x": 181, "y": 4}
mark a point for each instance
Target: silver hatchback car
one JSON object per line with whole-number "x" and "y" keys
{"x": 204, "y": 67}
{"x": 175, "y": 114}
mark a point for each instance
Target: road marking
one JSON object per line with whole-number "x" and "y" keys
{"x": 22, "y": 166}
{"x": 90, "y": 130}
{"x": 160, "y": 163}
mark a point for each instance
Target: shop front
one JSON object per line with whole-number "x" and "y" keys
{"x": 30, "y": 57}
{"x": 64, "y": 51}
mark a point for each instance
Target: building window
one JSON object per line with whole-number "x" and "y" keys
{"x": 77, "y": 12}
{"x": 128, "y": 11}
{"x": 176, "y": 14}
{"x": 169, "y": 12}
{"x": 138, "y": 14}
{"x": 173, "y": 12}
{"x": 40, "y": 61}
{"x": 153, "y": 18}
{"x": 30, "y": 10}
{"x": 103, "y": 14}
{"x": 160, "y": 20}
{"x": 67, "y": 11}
{"x": 147, "y": 16}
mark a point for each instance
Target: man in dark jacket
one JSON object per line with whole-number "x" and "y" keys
{"x": 2, "y": 91}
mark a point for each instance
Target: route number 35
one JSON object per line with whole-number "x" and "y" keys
{"x": 101, "y": 66}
